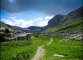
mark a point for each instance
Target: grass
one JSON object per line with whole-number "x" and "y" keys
{"x": 21, "y": 49}
{"x": 25, "y": 50}
{"x": 50, "y": 30}
{"x": 15, "y": 50}
{"x": 41, "y": 40}
{"x": 74, "y": 25}
{"x": 72, "y": 50}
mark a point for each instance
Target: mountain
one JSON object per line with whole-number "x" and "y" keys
{"x": 70, "y": 26}
{"x": 55, "y": 20}
{"x": 71, "y": 21}
{"x": 34, "y": 29}
{"x": 14, "y": 28}
{"x": 71, "y": 17}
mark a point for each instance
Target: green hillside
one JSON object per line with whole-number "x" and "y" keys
{"x": 74, "y": 25}
{"x": 70, "y": 22}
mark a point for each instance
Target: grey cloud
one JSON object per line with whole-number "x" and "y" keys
{"x": 50, "y": 7}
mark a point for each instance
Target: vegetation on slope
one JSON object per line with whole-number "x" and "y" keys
{"x": 71, "y": 50}
{"x": 71, "y": 21}
{"x": 74, "y": 25}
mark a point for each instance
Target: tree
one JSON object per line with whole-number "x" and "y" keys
{"x": 6, "y": 30}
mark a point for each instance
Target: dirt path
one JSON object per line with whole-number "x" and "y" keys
{"x": 40, "y": 51}
{"x": 51, "y": 40}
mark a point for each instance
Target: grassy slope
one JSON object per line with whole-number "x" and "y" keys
{"x": 71, "y": 50}
{"x": 73, "y": 24}
{"x": 77, "y": 23}
{"x": 23, "y": 50}
{"x": 50, "y": 30}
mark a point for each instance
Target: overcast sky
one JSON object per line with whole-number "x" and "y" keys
{"x": 25, "y": 13}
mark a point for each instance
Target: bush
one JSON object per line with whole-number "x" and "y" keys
{"x": 35, "y": 34}
{"x": 6, "y": 30}
{"x": 2, "y": 39}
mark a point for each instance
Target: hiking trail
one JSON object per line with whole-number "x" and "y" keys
{"x": 40, "y": 51}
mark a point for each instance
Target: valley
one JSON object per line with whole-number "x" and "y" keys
{"x": 61, "y": 39}
{"x": 26, "y": 50}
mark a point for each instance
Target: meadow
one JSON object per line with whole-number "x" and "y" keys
{"x": 25, "y": 50}
{"x": 21, "y": 49}
{"x": 71, "y": 50}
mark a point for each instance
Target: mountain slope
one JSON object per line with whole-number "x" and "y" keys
{"x": 14, "y": 28}
{"x": 52, "y": 23}
{"x": 55, "y": 20}
{"x": 72, "y": 21}
{"x": 71, "y": 17}
{"x": 4, "y": 25}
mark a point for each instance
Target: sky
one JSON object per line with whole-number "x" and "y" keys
{"x": 25, "y": 13}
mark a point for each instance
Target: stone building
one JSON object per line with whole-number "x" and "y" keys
{"x": 25, "y": 36}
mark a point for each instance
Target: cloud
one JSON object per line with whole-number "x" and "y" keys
{"x": 40, "y": 22}
{"x": 8, "y": 22}
{"x": 50, "y": 7}
{"x": 26, "y": 23}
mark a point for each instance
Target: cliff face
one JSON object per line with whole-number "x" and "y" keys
{"x": 55, "y": 20}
